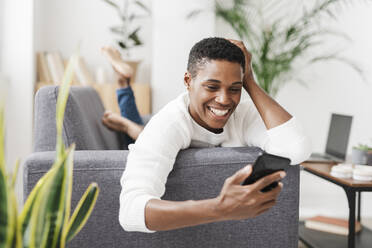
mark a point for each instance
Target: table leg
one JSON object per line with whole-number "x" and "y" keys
{"x": 351, "y": 199}
{"x": 359, "y": 204}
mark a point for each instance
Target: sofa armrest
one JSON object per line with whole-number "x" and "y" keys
{"x": 197, "y": 174}
{"x": 82, "y": 123}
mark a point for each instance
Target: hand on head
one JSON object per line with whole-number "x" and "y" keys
{"x": 248, "y": 74}
{"x": 237, "y": 202}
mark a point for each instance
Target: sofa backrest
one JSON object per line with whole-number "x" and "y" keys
{"x": 82, "y": 123}
{"x": 197, "y": 174}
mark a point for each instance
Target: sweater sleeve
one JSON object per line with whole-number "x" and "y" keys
{"x": 289, "y": 140}
{"x": 149, "y": 162}
{"x": 286, "y": 140}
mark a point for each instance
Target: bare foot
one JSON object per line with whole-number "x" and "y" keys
{"x": 124, "y": 70}
{"x": 114, "y": 121}
{"x": 118, "y": 123}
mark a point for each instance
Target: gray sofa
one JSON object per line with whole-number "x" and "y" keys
{"x": 197, "y": 174}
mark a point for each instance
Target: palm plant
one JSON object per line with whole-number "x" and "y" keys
{"x": 126, "y": 30}
{"x": 45, "y": 220}
{"x": 279, "y": 44}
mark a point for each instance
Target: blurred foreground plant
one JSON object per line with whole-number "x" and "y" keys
{"x": 45, "y": 220}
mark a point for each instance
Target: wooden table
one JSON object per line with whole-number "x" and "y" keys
{"x": 352, "y": 188}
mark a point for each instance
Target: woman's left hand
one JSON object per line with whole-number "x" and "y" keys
{"x": 248, "y": 72}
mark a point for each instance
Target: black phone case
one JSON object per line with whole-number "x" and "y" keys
{"x": 267, "y": 164}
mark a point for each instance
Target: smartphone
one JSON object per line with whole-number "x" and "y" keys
{"x": 264, "y": 165}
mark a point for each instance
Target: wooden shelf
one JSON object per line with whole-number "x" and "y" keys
{"x": 107, "y": 92}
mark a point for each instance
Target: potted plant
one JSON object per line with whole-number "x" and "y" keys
{"x": 127, "y": 31}
{"x": 362, "y": 154}
{"x": 45, "y": 220}
{"x": 280, "y": 44}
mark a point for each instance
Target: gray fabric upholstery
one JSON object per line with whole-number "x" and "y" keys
{"x": 197, "y": 174}
{"x": 82, "y": 123}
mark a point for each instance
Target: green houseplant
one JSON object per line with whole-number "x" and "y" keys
{"x": 279, "y": 40}
{"x": 362, "y": 154}
{"x": 127, "y": 31}
{"x": 45, "y": 220}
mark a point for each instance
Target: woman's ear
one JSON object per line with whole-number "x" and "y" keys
{"x": 187, "y": 80}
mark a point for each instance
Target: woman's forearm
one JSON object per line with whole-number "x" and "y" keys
{"x": 270, "y": 111}
{"x": 161, "y": 215}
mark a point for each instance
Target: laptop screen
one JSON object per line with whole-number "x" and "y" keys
{"x": 338, "y": 135}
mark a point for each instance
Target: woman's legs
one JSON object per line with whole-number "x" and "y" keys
{"x": 130, "y": 122}
{"x": 127, "y": 105}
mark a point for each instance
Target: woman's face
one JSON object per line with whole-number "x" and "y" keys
{"x": 214, "y": 93}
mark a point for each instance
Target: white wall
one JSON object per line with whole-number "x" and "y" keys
{"x": 332, "y": 87}
{"x": 61, "y": 25}
{"x": 173, "y": 37}
{"x": 1, "y": 30}
{"x": 18, "y": 66}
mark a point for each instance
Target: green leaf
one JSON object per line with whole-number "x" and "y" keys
{"x": 62, "y": 100}
{"x": 57, "y": 197}
{"x": 17, "y": 237}
{"x": 2, "y": 140}
{"x": 83, "y": 211}
{"x": 34, "y": 235}
{"x": 144, "y": 7}
{"x": 25, "y": 217}
{"x": 50, "y": 206}
{"x": 122, "y": 45}
{"x": 7, "y": 225}
{"x": 44, "y": 237}
{"x": 67, "y": 207}
{"x": 15, "y": 173}
{"x": 39, "y": 221}
{"x": 134, "y": 37}
{"x": 112, "y": 4}
{"x": 194, "y": 13}
{"x": 132, "y": 17}
{"x": 7, "y": 220}
{"x": 117, "y": 30}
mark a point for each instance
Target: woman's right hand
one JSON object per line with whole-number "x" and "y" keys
{"x": 237, "y": 202}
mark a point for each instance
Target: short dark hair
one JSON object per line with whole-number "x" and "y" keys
{"x": 213, "y": 49}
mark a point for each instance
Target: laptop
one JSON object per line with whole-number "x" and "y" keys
{"x": 338, "y": 139}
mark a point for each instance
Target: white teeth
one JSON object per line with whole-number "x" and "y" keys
{"x": 219, "y": 112}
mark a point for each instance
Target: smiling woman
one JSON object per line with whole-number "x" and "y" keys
{"x": 214, "y": 93}
{"x": 209, "y": 114}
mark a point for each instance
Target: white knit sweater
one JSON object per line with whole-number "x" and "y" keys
{"x": 152, "y": 157}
